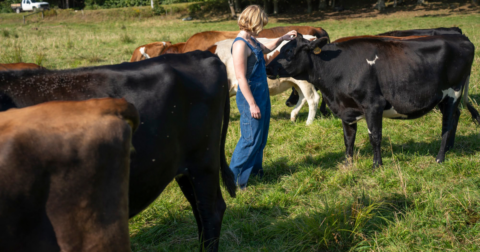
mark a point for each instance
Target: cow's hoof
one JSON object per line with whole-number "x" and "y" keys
{"x": 309, "y": 122}
{"x": 440, "y": 160}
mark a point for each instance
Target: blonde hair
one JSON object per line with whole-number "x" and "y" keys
{"x": 253, "y": 19}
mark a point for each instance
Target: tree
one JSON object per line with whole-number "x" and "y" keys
{"x": 275, "y": 7}
{"x": 309, "y": 9}
{"x": 322, "y": 5}
{"x": 232, "y": 7}
{"x": 380, "y": 5}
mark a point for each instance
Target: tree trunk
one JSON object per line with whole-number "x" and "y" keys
{"x": 232, "y": 7}
{"x": 322, "y": 5}
{"x": 332, "y": 4}
{"x": 265, "y": 6}
{"x": 309, "y": 6}
{"x": 151, "y": 3}
{"x": 238, "y": 9}
{"x": 380, "y": 5}
{"x": 67, "y": 5}
{"x": 275, "y": 7}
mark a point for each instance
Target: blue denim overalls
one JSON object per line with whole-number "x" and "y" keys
{"x": 248, "y": 155}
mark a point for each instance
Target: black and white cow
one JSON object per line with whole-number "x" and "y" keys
{"x": 374, "y": 77}
{"x": 294, "y": 96}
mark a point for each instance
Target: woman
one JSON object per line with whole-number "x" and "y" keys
{"x": 253, "y": 99}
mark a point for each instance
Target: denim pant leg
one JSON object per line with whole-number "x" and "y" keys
{"x": 257, "y": 166}
{"x": 252, "y": 140}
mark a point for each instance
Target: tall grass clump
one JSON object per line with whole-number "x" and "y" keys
{"x": 337, "y": 226}
{"x": 13, "y": 55}
{"x": 126, "y": 39}
{"x": 39, "y": 58}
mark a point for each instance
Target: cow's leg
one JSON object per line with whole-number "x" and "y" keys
{"x": 374, "y": 116}
{"x": 187, "y": 189}
{"x": 298, "y": 106}
{"x": 312, "y": 98}
{"x": 450, "y": 112}
{"x": 349, "y": 134}
{"x": 323, "y": 108}
{"x": 210, "y": 205}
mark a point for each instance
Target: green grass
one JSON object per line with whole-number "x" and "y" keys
{"x": 308, "y": 200}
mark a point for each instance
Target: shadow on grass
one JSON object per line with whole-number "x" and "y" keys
{"x": 407, "y": 151}
{"x": 368, "y": 12}
{"x": 331, "y": 226}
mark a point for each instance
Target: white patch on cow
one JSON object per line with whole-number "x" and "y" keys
{"x": 392, "y": 113}
{"x": 357, "y": 119}
{"x": 164, "y": 44}
{"x": 142, "y": 51}
{"x": 371, "y": 63}
{"x": 452, "y": 93}
{"x": 369, "y": 132}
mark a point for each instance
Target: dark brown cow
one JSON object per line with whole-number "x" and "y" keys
{"x": 203, "y": 40}
{"x": 18, "y": 66}
{"x": 64, "y": 170}
{"x": 149, "y": 50}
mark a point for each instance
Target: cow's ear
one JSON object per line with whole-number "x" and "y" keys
{"x": 316, "y": 46}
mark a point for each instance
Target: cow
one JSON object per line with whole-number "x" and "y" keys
{"x": 203, "y": 40}
{"x": 420, "y": 32}
{"x": 307, "y": 90}
{"x": 149, "y": 50}
{"x": 64, "y": 169}
{"x": 181, "y": 136}
{"x": 174, "y": 49}
{"x": 294, "y": 96}
{"x": 18, "y": 66}
{"x": 370, "y": 78}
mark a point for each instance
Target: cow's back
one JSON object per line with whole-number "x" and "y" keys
{"x": 64, "y": 176}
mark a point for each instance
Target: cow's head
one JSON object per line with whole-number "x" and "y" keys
{"x": 294, "y": 59}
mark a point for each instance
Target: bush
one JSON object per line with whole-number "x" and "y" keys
{"x": 158, "y": 10}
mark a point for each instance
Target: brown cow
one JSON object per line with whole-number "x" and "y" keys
{"x": 174, "y": 49}
{"x": 149, "y": 50}
{"x": 18, "y": 66}
{"x": 203, "y": 40}
{"x": 64, "y": 170}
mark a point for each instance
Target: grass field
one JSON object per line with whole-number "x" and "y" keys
{"x": 307, "y": 200}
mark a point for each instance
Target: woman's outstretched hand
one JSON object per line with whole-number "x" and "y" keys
{"x": 291, "y": 35}
{"x": 255, "y": 111}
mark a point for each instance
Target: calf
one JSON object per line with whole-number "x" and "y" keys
{"x": 149, "y": 51}
{"x": 306, "y": 90}
{"x": 184, "y": 112}
{"x": 64, "y": 176}
{"x": 380, "y": 77}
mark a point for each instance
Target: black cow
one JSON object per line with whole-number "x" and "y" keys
{"x": 293, "y": 98}
{"x": 182, "y": 100}
{"x": 420, "y": 32}
{"x": 379, "y": 77}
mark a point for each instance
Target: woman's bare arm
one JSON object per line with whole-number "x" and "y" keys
{"x": 268, "y": 47}
{"x": 240, "y": 53}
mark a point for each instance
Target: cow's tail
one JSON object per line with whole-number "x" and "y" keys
{"x": 473, "y": 111}
{"x": 227, "y": 174}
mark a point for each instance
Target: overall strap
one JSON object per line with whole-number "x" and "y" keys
{"x": 246, "y": 42}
